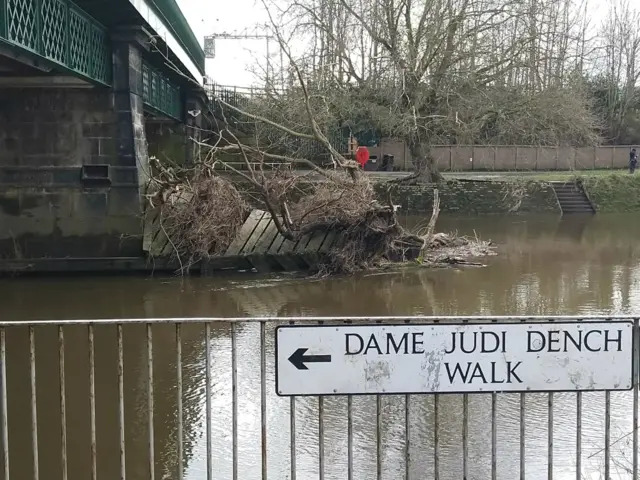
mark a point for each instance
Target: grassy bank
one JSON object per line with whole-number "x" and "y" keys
{"x": 571, "y": 175}
{"x": 613, "y": 193}
{"x": 610, "y": 191}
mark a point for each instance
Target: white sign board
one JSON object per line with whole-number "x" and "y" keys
{"x": 454, "y": 358}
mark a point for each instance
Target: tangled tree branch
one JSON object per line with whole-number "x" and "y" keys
{"x": 203, "y": 211}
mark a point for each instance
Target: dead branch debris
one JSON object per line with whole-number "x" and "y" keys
{"x": 200, "y": 216}
{"x": 202, "y": 213}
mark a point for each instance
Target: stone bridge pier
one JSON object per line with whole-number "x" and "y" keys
{"x": 75, "y": 141}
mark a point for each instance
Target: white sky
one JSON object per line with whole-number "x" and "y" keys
{"x": 235, "y": 57}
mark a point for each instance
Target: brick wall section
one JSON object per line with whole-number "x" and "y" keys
{"x": 476, "y": 197}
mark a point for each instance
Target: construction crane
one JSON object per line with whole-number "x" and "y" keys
{"x": 210, "y": 44}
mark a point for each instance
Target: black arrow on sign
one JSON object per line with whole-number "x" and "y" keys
{"x": 298, "y": 359}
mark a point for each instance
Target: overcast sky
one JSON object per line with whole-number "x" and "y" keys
{"x": 234, "y": 57}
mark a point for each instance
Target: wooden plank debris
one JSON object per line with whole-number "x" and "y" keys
{"x": 245, "y": 232}
{"x": 258, "y": 245}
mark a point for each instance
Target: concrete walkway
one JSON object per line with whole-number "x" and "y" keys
{"x": 385, "y": 176}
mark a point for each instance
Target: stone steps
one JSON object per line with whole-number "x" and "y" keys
{"x": 572, "y": 199}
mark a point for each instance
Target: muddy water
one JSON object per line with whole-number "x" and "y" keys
{"x": 545, "y": 266}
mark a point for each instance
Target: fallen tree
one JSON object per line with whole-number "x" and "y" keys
{"x": 201, "y": 212}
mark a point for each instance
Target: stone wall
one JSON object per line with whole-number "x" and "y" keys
{"x": 476, "y": 197}
{"x": 464, "y": 197}
{"x": 57, "y": 198}
{"x": 167, "y": 140}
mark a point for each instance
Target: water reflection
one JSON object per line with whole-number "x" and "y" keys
{"x": 546, "y": 266}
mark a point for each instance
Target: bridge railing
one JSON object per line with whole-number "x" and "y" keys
{"x": 60, "y": 32}
{"x": 159, "y": 93}
{"x": 241, "y": 98}
{"x": 195, "y": 398}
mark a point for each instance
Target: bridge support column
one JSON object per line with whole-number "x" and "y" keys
{"x": 196, "y": 106}
{"x": 73, "y": 168}
{"x": 131, "y": 147}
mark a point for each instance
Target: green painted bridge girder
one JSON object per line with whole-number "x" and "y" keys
{"x": 60, "y": 32}
{"x": 73, "y": 41}
{"x": 160, "y": 94}
{"x": 178, "y": 24}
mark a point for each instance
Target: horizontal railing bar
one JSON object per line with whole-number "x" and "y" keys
{"x": 236, "y": 379}
{"x": 416, "y": 319}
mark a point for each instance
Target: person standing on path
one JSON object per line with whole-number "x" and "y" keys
{"x": 633, "y": 160}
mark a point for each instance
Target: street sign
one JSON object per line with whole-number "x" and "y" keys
{"x": 454, "y": 358}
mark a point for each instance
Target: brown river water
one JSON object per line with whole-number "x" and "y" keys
{"x": 546, "y": 266}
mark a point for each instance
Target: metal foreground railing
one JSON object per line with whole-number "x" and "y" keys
{"x": 432, "y": 432}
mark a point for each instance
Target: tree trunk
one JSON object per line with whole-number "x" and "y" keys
{"x": 426, "y": 170}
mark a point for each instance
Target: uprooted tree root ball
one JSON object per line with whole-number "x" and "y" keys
{"x": 202, "y": 217}
{"x": 331, "y": 204}
{"x": 370, "y": 235}
{"x": 369, "y": 232}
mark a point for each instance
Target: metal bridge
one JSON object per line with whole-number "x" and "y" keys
{"x": 75, "y": 38}
{"x": 194, "y": 398}
{"x": 89, "y": 90}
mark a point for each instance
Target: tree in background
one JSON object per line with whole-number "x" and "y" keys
{"x": 440, "y": 71}
{"x": 489, "y": 72}
{"x": 612, "y": 83}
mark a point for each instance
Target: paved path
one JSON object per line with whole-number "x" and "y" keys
{"x": 383, "y": 176}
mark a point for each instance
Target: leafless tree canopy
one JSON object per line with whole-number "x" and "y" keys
{"x": 537, "y": 72}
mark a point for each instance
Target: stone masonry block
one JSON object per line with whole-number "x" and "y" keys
{"x": 128, "y": 176}
{"x": 99, "y": 160}
{"x": 10, "y": 201}
{"x": 91, "y": 204}
{"x": 94, "y": 146}
{"x": 124, "y": 201}
{"x": 108, "y": 147}
{"x": 66, "y": 176}
{"x": 97, "y": 130}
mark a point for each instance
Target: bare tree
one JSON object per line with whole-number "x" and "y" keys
{"x": 616, "y": 71}
{"x": 439, "y": 71}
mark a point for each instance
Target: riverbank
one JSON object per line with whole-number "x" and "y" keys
{"x": 608, "y": 192}
{"x": 614, "y": 192}
{"x": 476, "y": 197}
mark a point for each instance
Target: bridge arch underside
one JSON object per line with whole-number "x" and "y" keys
{"x": 74, "y": 147}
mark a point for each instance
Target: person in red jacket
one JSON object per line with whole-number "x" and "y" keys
{"x": 362, "y": 156}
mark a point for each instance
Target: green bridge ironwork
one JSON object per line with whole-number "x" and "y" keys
{"x": 159, "y": 93}
{"x": 60, "y": 32}
{"x": 63, "y": 34}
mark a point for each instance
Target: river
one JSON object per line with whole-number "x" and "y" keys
{"x": 546, "y": 265}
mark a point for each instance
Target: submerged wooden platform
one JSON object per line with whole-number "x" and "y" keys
{"x": 258, "y": 246}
